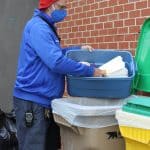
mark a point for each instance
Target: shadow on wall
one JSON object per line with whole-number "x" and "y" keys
{"x": 14, "y": 15}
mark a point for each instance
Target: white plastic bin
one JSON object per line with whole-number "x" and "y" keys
{"x": 88, "y": 124}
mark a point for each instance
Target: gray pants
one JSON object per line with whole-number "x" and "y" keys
{"x": 44, "y": 134}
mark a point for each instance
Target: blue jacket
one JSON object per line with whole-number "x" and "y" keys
{"x": 42, "y": 63}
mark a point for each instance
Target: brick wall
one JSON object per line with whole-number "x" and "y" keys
{"x": 105, "y": 24}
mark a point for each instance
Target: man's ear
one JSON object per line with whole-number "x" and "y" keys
{"x": 49, "y": 9}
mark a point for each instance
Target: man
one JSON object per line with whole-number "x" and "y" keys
{"x": 40, "y": 77}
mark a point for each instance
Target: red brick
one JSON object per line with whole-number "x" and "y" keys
{"x": 145, "y": 12}
{"x": 75, "y": 41}
{"x": 99, "y": 12}
{"x": 134, "y": 29}
{"x": 94, "y": 6}
{"x": 134, "y": 14}
{"x": 148, "y": 3}
{"x": 74, "y": 29}
{"x": 103, "y": 18}
{"x": 68, "y": 41}
{"x": 108, "y": 38}
{"x": 122, "y": 30}
{"x": 129, "y": 7}
{"x": 99, "y": 39}
{"x": 90, "y": 27}
{"x": 130, "y": 37}
{"x": 90, "y": 1}
{"x": 99, "y": 26}
{"x": 71, "y": 23}
{"x": 103, "y": 45}
{"x": 90, "y": 14}
{"x": 86, "y": 34}
{"x": 67, "y": 30}
{"x": 91, "y": 40}
{"x": 108, "y": 10}
{"x": 78, "y": 34}
{"x": 94, "y": 19}
{"x": 86, "y": 8}
{"x": 95, "y": 46}
{"x": 78, "y": 10}
{"x": 133, "y": 45}
{"x": 112, "y": 3}
{"x": 123, "y": 45}
{"x": 86, "y": 21}
{"x": 94, "y": 33}
{"x": 140, "y": 5}
{"x": 71, "y": 11}
{"x": 103, "y": 32}
{"x": 103, "y": 4}
{"x": 71, "y": 35}
{"x": 118, "y": 9}
{"x": 64, "y": 24}
{"x": 122, "y": 1}
{"x": 78, "y": 22}
{"x": 113, "y": 24}
{"x": 112, "y": 45}
{"x": 118, "y": 38}
{"x": 123, "y": 15}
{"x": 82, "y": 28}
{"x": 61, "y": 30}
{"x": 129, "y": 22}
{"x": 108, "y": 25}
{"x": 137, "y": 36}
{"x": 140, "y": 21}
{"x": 112, "y": 31}
{"x": 82, "y": 40}
{"x": 74, "y": 4}
{"x": 81, "y": 3}
{"x": 118, "y": 23}
{"x": 75, "y": 16}
{"x": 68, "y": 4}
{"x": 131, "y": 1}
{"x": 113, "y": 17}
{"x": 82, "y": 15}
{"x": 68, "y": 18}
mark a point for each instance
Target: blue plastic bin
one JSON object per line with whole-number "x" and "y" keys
{"x": 101, "y": 87}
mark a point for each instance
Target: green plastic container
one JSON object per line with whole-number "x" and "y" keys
{"x": 142, "y": 57}
{"x": 138, "y": 105}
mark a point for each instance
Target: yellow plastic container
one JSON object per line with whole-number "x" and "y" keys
{"x": 136, "y": 138}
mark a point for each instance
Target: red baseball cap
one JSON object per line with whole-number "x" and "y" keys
{"x": 45, "y": 3}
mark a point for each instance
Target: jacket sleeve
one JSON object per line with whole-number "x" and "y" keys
{"x": 42, "y": 41}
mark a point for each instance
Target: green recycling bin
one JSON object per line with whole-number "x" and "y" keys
{"x": 142, "y": 78}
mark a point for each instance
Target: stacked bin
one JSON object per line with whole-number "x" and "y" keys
{"x": 88, "y": 123}
{"x": 134, "y": 123}
{"x": 100, "y": 87}
{"x": 87, "y": 118}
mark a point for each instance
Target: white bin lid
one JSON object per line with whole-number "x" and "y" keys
{"x": 132, "y": 120}
{"x": 87, "y": 112}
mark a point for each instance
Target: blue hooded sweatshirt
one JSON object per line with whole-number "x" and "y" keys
{"x": 42, "y": 63}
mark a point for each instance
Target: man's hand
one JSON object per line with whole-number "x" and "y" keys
{"x": 87, "y": 47}
{"x": 99, "y": 73}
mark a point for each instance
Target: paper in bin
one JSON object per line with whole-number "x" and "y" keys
{"x": 113, "y": 65}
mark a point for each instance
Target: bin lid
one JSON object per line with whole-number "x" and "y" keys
{"x": 138, "y": 105}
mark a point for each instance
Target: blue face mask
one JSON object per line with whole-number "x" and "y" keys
{"x": 58, "y": 15}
